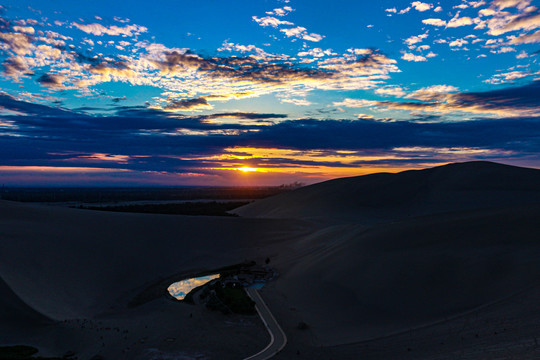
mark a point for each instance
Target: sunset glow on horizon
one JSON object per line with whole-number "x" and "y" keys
{"x": 265, "y": 93}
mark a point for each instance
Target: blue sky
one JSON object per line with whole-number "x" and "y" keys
{"x": 263, "y": 92}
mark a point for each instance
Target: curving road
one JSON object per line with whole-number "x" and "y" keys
{"x": 278, "y": 339}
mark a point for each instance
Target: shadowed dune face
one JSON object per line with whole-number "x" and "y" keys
{"x": 397, "y": 276}
{"x": 15, "y": 311}
{"x": 381, "y": 197}
{"x": 68, "y": 263}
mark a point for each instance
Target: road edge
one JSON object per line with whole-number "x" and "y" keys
{"x": 255, "y": 296}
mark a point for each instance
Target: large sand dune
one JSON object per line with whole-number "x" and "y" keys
{"x": 393, "y": 277}
{"x": 408, "y": 249}
{"x": 385, "y": 196}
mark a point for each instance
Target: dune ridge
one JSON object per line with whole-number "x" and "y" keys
{"x": 384, "y": 196}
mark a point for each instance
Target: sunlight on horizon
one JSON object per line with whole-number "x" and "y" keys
{"x": 247, "y": 169}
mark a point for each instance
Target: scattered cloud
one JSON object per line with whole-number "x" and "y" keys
{"x": 404, "y": 11}
{"x": 391, "y": 90}
{"x": 411, "y": 57}
{"x": 415, "y": 39}
{"x": 113, "y": 30}
{"x": 296, "y": 31}
{"x": 509, "y": 77}
{"x": 527, "y": 38}
{"x": 354, "y": 103}
{"x": 503, "y": 22}
{"x": 434, "y": 22}
{"x": 503, "y": 49}
{"x": 430, "y": 93}
{"x": 270, "y": 21}
{"x": 457, "y": 42}
{"x": 421, "y": 6}
{"x": 348, "y": 71}
{"x": 180, "y": 70}
{"x": 280, "y": 11}
{"x": 457, "y": 21}
{"x": 301, "y": 32}
{"x": 24, "y": 29}
{"x": 317, "y": 52}
{"x": 503, "y": 4}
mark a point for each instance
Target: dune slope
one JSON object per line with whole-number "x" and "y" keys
{"x": 68, "y": 263}
{"x": 14, "y": 310}
{"x": 393, "y": 277}
{"x": 384, "y": 196}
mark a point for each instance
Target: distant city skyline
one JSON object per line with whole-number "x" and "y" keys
{"x": 245, "y": 92}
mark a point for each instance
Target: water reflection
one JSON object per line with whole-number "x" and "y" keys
{"x": 181, "y": 288}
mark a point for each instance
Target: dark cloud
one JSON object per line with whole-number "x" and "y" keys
{"x": 513, "y": 101}
{"x": 243, "y": 115}
{"x": 51, "y": 80}
{"x": 152, "y": 139}
{"x": 527, "y": 96}
{"x": 272, "y": 70}
{"x": 187, "y": 104}
{"x": 17, "y": 42}
{"x": 14, "y": 67}
{"x": 9, "y": 102}
{"x": 121, "y": 68}
{"x": 508, "y": 134}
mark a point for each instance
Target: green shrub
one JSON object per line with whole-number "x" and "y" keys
{"x": 236, "y": 300}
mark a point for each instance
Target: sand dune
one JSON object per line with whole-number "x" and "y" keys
{"x": 384, "y": 196}
{"x": 404, "y": 250}
{"x": 369, "y": 283}
{"x": 68, "y": 263}
{"x": 386, "y": 253}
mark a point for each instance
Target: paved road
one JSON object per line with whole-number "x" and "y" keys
{"x": 278, "y": 339}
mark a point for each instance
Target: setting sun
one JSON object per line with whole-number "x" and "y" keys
{"x": 247, "y": 169}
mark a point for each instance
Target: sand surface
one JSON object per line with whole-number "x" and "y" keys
{"x": 384, "y": 197}
{"x": 393, "y": 277}
{"x": 410, "y": 265}
{"x": 78, "y": 266}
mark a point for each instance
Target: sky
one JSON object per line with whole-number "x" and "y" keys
{"x": 266, "y": 92}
